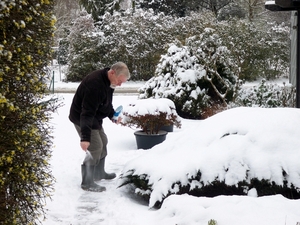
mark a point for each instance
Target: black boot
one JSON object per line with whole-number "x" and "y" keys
{"x": 100, "y": 172}
{"x": 88, "y": 183}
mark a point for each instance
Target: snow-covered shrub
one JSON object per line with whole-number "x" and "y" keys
{"x": 86, "y": 54}
{"x": 260, "y": 50}
{"x": 267, "y": 96}
{"x": 176, "y": 78}
{"x": 230, "y": 153}
{"x": 137, "y": 38}
{"x": 178, "y": 8}
{"x": 196, "y": 77}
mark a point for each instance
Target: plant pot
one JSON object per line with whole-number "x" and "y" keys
{"x": 168, "y": 128}
{"x": 147, "y": 141}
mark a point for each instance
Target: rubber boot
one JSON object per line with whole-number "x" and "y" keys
{"x": 88, "y": 184}
{"x": 100, "y": 172}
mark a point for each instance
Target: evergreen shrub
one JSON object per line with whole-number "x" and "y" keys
{"x": 196, "y": 77}
{"x": 216, "y": 188}
{"x": 25, "y": 148}
{"x": 266, "y": 95}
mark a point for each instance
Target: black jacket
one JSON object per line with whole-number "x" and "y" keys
{"x": 92, "y": 102}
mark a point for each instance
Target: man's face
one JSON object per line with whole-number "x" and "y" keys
{"x": 117, "y": 80}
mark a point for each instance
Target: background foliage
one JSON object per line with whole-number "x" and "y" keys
{"x": 139, "y": 38}
{"x": 204, "y": 73}
{"x": 25, "y": 147}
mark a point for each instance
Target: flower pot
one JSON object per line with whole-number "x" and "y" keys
{"x": 147, "y": 141}
{"x": 168, "y": 128}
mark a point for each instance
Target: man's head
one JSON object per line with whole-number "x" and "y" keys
{"x": 118, "y": 74}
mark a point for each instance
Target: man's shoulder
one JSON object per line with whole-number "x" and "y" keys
{"x": 97, "y": 75}
{"x": 96, "y": 80}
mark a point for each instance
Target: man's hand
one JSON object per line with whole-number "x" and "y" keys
{"x": 84, "y": 145}
{"x": 117, "y": 121}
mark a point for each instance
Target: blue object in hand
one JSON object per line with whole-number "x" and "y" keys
{"x": 117, "y": 113}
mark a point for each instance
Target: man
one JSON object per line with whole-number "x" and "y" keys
{"x": 92, "y": 103}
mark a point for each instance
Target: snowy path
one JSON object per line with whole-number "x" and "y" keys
{"x": 72, "y": 205}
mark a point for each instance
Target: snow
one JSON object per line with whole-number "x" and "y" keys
{"x": 150, "y": 106}
{"x": 270, "y": 3}
{"x": 256, "y": 136}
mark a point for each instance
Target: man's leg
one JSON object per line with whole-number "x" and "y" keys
{"x": 100, "y": 167}
{"x": 89, "y": 163}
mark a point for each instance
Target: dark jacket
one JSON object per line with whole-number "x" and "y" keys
{"x": 92, "y": 102}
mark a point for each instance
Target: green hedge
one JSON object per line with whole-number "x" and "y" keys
{"x": 25, "y": 147}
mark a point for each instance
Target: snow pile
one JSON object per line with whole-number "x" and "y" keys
{"x": 150, "y": 106}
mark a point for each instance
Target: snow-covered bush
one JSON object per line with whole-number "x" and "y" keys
{"x": 85, "y": 50}
{"x": 205, "y": 75}
{"x": 260, "y": 50}
{"x": 196, "y": 77}
{"x": 138, "y": 39}
{"x": 62, "y": 52}
{"x": 267, "y": 96}
{"x": 231, "y": 153}
{"x": 176, "y": 78}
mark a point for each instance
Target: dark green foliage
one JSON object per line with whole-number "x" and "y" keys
{"x": 93, "y": 46}
{"x": 86, "y": 51}
{"x": 221, "y": 56}
{"x": 25, "y": 148}
{"x": 168, "y": 7}
{"x": 215, "y": 188}
{"x": 97, "y": 8}
{"x": 267, "y": 96}
{"x": 62, "y": 53}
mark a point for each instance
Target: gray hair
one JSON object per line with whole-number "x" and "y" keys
{"x": 121, "y": 68}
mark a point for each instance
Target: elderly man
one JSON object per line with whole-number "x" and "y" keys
{"x": 92, "y": 103}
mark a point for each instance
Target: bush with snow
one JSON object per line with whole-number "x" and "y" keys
{"x": 266, "y": 95}
{"x": 196, "y": 77}
{"x": 86, "y": 54}
{"x": 205, "y": 75}
{"x": 260, "y": 50}
{"x": 139, "y": 38}
{"x": 232, "y": 153}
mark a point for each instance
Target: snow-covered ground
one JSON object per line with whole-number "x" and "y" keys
{"x": 71, "y": 205}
